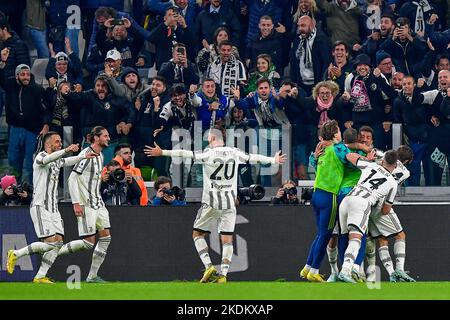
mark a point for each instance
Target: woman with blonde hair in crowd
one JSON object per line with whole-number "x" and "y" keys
{"x": 307, "y": 8}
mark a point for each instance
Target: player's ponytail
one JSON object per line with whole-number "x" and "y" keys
{"x": 96, "y": 131}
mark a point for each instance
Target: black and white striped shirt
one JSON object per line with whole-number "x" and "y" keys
{"x": 85, "y": 180}
{"x": 375, "y": 184}
{"x": 46, "y": 169}
{"x": 220, "y": 172}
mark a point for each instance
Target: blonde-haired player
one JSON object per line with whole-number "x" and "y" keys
{"x": 220, "y": 175}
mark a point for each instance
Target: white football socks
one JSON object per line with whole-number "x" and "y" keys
{"x": 202, "y": 249}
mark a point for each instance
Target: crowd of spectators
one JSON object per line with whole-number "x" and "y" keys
{"x": 238, "y": 64}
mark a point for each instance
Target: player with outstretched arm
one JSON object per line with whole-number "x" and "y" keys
{"x": 220, "y": 175}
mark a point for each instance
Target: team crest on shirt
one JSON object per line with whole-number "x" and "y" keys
{"x": 107, "y": 106}
{"x": 373, "y": 86}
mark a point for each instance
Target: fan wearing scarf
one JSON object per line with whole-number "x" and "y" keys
{"x": 269, "y": 112}
{"x": 420, "y": 13}
{"x": 207, "y": 100}
{"x": 264, "y": 69}
{"x": 365, "y": 97}
{"x": 322, "y": 106}
{"x": 210, "y": 52}
{"x": 309, "y": 55}
{"x": 178, "y": 113}
{"x": 62, "y": 114}
{"x": 227, "y": 71}
{"x": 267, "y": 105}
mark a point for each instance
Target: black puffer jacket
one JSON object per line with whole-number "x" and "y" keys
{"x": 25, "y": 107}
{"x": 107, "y": 112}
{"x": 147, "y": 120}
{"x": 18, "y": 53}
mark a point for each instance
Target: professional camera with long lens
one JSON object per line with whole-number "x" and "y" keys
{"x": 254, "y": 192}
{"x": 118, "y": 176}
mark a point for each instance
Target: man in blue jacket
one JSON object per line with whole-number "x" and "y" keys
{"x": 207, "y": 100}
{"x": 165, "y": 194}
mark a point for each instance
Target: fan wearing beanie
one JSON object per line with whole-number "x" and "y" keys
{"x": 384, "y": 63}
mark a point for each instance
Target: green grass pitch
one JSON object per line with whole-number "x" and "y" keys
{"x": 229, "y": 291}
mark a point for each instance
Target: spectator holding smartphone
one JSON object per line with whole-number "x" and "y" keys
{"x": 172, "y": 30}
{"x": 122, "y": 36}
{"x": 179, "y": 70}
{"x": 406, "y": 49}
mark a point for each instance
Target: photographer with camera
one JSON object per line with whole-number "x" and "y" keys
{"x": 166, "y": 194}
{"x": 118, "y": 186}
{"x": 14, "y": 194}
{"x": 123, "y": 155}
{"x": 287, "y": 194}
{"x": 246, "y": 194}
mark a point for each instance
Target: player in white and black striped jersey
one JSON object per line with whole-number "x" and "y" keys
{"x": 220, "y": 175}
{"x": 44, "y": 207}
{"x": 382, "y": 227}
{"x": 92, "y": 215}
{"x": 375, "y": 184}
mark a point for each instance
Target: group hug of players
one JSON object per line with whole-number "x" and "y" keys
{"x": 354, "y": 191}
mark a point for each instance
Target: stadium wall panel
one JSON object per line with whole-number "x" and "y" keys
{"x": 271, "y": 243}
